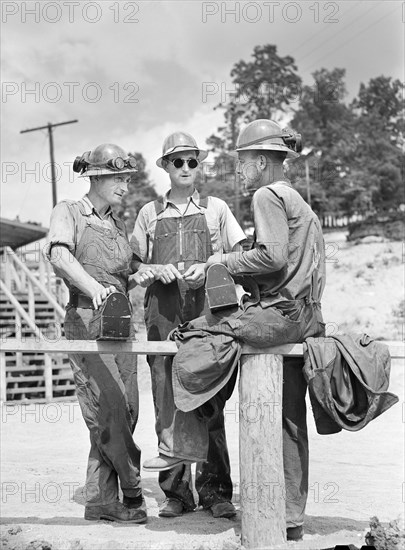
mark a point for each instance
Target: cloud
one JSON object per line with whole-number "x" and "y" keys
{"x": 133, "y": 83}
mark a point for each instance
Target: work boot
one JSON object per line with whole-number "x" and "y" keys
{"x": 223, "y": 509}
{"x": 132, "y": 503}
{"x": 163, "y": 462}
{"x": 171, "y": 508}
{"x": 115, "y": 511}
{"x": 295, "y": 533}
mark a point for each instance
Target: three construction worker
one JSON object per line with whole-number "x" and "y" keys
{"x": 175, "y": 240}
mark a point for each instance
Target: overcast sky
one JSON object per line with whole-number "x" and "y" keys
{"x": 133, "y": 72}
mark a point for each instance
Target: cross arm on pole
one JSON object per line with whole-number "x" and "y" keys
{"x": 47, "y": 126}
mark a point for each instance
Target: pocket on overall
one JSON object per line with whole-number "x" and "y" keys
{"x": 107, "y": 257}
{"x": 97, "y": 256}
{"x": 194, "y": 246}
{"x": 164, "y": 248}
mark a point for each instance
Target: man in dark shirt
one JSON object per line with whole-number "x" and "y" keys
{"x": 286, "y": 270}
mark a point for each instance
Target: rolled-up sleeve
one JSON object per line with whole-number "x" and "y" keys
{"x": 62, "y": 229}
{"x": 271, "y": 228}
{"x": 231, "y": 231}
{"x": 139, "y": 239}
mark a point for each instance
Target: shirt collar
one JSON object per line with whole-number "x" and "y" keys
{"x": 90, "y": 209}
{"x": 195, "y": 198}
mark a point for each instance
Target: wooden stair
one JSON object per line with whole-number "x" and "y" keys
{"x": 30, "y": 306}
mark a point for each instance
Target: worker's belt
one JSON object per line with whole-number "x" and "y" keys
{"x": 80, "y": 300}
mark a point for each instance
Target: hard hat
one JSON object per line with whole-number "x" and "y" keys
{"x": 265, "y": 134}
{"x": 105, "y": 159}
{"x": 177, "y": 142}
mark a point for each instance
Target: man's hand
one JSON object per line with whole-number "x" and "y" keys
{"x": 145, "y": 276}
{"x": 168, "y": 273}
{"x": 149, "y": 273}
{"x": 101, "y": 295}
{"x": 195, "y": 275}
{"x": 218, "y": 258}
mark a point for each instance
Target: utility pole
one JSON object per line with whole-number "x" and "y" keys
{"x": 237, "y": 177}
{"x": 307, "y": 181}
{"x": 307, "y": 178}
{"x": 49, "y": 127}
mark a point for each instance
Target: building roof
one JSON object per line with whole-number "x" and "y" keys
{"x": 14, "y": 234}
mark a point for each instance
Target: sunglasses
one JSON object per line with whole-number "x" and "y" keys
{"x": 178, "y": 163}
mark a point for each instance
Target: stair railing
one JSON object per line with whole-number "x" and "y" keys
{"x": 14, "y": 268}
{"x": 17, "y": 277}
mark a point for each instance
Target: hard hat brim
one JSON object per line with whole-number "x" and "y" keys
{"x": 105, "y": 172}
{"x": 270, "y": 147}
{"x": 202, "y": 155}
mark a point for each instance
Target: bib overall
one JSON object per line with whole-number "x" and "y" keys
{"x": 183, "y": 241}
{"x": 106, "y": 385}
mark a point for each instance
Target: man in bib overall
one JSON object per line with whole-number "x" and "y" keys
{"x": 88, "y": 247}
{"x": 173, "y": 238}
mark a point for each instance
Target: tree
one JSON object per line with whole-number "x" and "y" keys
{"x": 383, "y": 100}
{"x": 326, "y": 124}
{"x": 264, "y": 88}
{"x": 140, "y": 191}
{"x": 358, "y": 145}
{"x": 353, "y": 153}
{"x": 379, "y": 131}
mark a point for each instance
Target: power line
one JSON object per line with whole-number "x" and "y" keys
{"x": 351, "y": 39}
{"x": 325, "y": 29}
{"x": 329, "y": 38}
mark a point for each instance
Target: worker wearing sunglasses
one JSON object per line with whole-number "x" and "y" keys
{"x": 173, "y": 238}
{"x": 179, "y": 162}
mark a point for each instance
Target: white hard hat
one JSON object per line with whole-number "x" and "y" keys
{"x": 177, "y": 142}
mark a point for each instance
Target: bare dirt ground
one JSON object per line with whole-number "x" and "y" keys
{"x": 353, "y": 476}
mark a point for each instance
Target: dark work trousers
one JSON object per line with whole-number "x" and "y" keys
{"x": 295, "y": 440}
{"x": 107, "y": 390}
{"x": 184, "y": 242}
{"x": 163, "y": 304}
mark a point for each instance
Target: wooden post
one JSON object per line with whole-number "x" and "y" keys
{"x": 261, "y": 451}
{"x": 41, "y": 270}
{"x": 48, "y": 277}
{"x": 31, "y": 300}
{"x": 7, "y": 268}
{"x": 3, "y": 380}
{"x": 19, "y": 334}
{"x": 48, "y": 377}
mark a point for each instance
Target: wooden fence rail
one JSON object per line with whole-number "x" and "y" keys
{"x": 260, "y": 444}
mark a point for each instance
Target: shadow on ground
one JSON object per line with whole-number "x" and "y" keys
{"x": 324, "y": 525}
